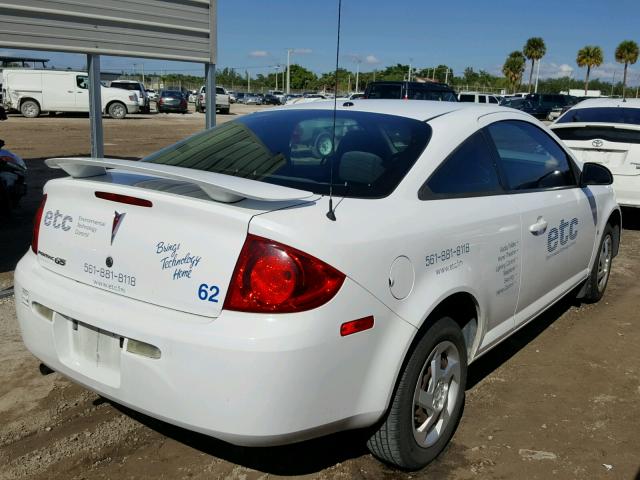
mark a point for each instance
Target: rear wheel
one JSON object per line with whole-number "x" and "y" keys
{"x": 599, "y": 276}
{"x": 117, "y": 110}
{"x": 30, "y": 109}
{"x": 224, "y": 111}
{"x": 428, "y": 401}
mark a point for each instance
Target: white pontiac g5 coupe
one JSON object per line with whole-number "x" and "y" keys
{"x": 297, "y": 272}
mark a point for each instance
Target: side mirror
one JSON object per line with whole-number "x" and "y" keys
{"x": 595, "y": 174}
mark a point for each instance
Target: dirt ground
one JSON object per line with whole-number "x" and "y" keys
{"x": 559, "y": 399}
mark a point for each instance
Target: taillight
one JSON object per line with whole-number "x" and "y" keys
{"x": 36, "y": 224}
{"x": 274, "y": 278}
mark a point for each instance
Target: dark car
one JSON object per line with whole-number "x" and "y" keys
{"x": 410, "y": 91}
{"x": 270, "y": 99}
{"x": 543, "y": 103}
{"x": 518, "y": 103}
{"x": 172, "y": 101}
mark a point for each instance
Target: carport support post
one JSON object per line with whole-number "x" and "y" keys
{"x": 210, "y": 97}
{"x": 95, "y": 106}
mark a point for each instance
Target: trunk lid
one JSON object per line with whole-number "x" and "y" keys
{"x": 179, "y": 252}
{"x": 615, "y": 146}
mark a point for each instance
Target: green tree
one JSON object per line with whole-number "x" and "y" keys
{"x": 513, "y": 69}
{"x": 589, "y": 56}
{"x": 534, "y": 50}
{"x": 627, "y": 53}
{"x": 301, "y": 78}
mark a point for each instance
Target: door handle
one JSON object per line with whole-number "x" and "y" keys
{"x": 69, "y": 91}
{"x": 539, "y": 227}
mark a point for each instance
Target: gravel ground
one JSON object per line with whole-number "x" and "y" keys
{"x": 559, "y": 399}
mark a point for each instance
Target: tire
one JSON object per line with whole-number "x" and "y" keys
{"x": 30, "y": 109}
{"x": 601, "y": 270}
{"x": 197, "y": 108}
{"x": 399, "y": 441}
{"x": 225, "y": 111}
{"x": 117, "y": 110}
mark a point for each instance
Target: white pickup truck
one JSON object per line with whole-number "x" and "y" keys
{"x": 35, "y": 91}
{"x": 222, "y": 100}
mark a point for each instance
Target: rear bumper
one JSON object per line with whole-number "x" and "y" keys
{"x": 627, "y": 188}
{"x": 172, "y": 108}
{"x": 246, "y": 379}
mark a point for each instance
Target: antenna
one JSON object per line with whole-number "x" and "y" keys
{"x": 331, "y": 213}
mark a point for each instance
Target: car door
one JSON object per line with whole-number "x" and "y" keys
{"x": 543, "y": 182}
{"x": 58, "y": 92}
{"x": 479, "y": 231}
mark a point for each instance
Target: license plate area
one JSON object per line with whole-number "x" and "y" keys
{"x": 88, "y": 350}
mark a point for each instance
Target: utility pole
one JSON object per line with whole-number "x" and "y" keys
{"x": 277, "y": 67}
{"x": 357, "y": 75}
{"x": 446, "y": 76}
{"x": 409, "y": 75}
{"x": 289, "y": 50}
{"x": 613, "y": 82}
{"x": 248, "y": 82}
{"x": 535, "y": 90}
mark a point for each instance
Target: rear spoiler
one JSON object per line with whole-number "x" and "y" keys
{"x": 219, "y": 187}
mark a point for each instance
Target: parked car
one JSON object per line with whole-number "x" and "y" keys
{"x": 280, "y": 95}
{"x": 475, "y": 97}
{"x": 238, "y": 311}
{"x": 240, "y": 96}
{"x": 607, "y": 131}
{"x": 518, "y": 103}
{"x": 410, "y": 91}
{"x": 222, "y": 100}
{"x": 543, "y": 103}
{"x": 172, "y": 101}
{"x": 270, "y": 99}
{"x": 13, "y": 176}
{"x": 33, "y": 92}
{"x": 152, "y": 94}
{"x": 138, "y": 87}
{"x": 232, "y": 96}
{"x": 252, "y": 99}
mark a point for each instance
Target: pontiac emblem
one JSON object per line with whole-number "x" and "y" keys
{"x": 117, "y": 221}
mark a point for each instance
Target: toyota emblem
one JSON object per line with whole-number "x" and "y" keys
{"x": 597, "y": 143}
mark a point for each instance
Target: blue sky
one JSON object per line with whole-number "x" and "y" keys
{"x": 255, "y": 34}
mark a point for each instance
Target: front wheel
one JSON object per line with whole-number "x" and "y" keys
{"x": 599, "y": 276}
{"x": 428, "y": 402}
{"x": 117, "y": 110}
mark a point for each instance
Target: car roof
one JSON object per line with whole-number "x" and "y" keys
{"x": 608, "y": 102}
{"x": 417, "y": 109}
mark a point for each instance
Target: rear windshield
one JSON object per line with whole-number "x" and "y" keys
{"x": 371, "y": 153}
{"x": 171, "y": 93}
{"x": 609, "y": 134}
{"x": 602, "y": 115}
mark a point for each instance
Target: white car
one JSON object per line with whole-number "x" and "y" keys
{"x": 281, "y": 276}
{"x": 223, "y": 102}
{"x": 475, "y": 97}
{"x": 138, "y": 88}
{"x": 33, "y": 92}
{"x": 607, "y": 131}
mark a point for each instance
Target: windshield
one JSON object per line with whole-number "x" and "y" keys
{"x": 371, "y": 154}
{"x": 602, "y": 115}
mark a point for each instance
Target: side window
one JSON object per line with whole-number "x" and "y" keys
{"x": 529, "y": 157}
{"x": 482, "y": 99}
{"x": 82, "y": 81}
{"x": 465, "y": 97}
{"x": 493, "y": 100}
{"x": 469, "y": 171}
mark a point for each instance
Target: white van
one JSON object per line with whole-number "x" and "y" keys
{"x": 35, "y": 91}
{"x": 475, "y": 97}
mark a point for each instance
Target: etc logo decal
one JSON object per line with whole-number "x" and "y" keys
{"x": 58, "y": 220}
{"x": 567, "y": 230}
{"x": 118, "y": 218}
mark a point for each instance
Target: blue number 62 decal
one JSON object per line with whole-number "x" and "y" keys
{"x": 208, "y": 292}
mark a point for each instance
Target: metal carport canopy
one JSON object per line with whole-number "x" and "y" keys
{"x": 182, "y": 30}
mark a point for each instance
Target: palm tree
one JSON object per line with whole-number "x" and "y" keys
{"x": 589, "y": 56}
{"x": 627, "y": 53}
{"x": 513, "y": 69}
{"x": 534, "y": 50}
